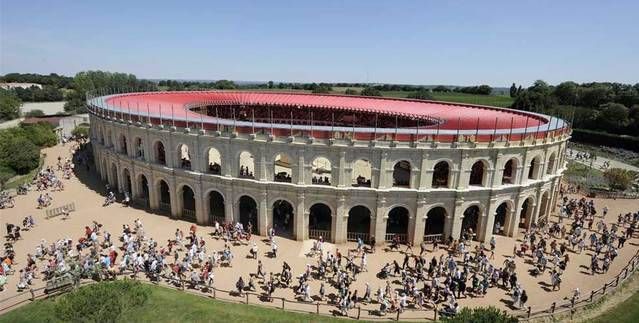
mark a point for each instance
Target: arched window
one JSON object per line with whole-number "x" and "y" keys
{"x": 123, "y": 145}
{"x": 160, "y": 154}
{"x": 139, "y": 148}
{"x": 533, "y": 170}
{"x": 247, "y": 165}
{"x": 477, "y": 174}
{"x": 359, "y": 224}
{"x": 282, "y": 169}
{"x": 321, "y": 171}
{"x": 362, "y": 172}
{"x": 510, "y": 169}
{"x": 441, "y": 174}
{"x": 184, "y": 157}
{"x": 401, "y": 174}
{"x": 551, "y": 165}
{"x": 214, "y": 162}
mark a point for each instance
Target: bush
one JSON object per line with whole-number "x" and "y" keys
{"x": 21, "y": 155}
{"x": 481, "y": 315}
{"x": 103, "y": 302}
{"x": 619, "y": 179}
{"x": 34, "y": 113}
{"x": 371, "y": 91}
{"x": 81, "y": 131}
{"x": 6, "y": 173}
{"x": 598, "y": 138}
{"x": 422, "y": 94}
{"x": 41, "y": 134}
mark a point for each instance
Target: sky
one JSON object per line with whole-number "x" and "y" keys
{"x": 404, "y": 42}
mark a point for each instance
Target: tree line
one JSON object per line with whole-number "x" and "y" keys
{"x": 603, "y": 106}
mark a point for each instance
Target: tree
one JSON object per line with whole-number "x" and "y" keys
{"x": 34, "y": 113}
{"x": 441, "y": 88}
{"x": 619, "y": 178}
{"x": 422, "y": 94}
{"x": 9, "y": 105}
{"x": 513, "y": 90}
{"x": 21, "y": 155}
{"x": 270, "y": 84}
{"x": 370, "y": 91}
{"x": 80, "y": 131}
{"x": 613, "y": 116}
{"x": 351, "y": 92}
{"x": 481, "y": 315}
{"x": 566, "y": 93}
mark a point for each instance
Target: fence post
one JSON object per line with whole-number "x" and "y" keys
{"x": 604, "y": 289}
{"x": 32, "y": 294}
{"x": 247, "y": 295}
{"x": 359, "y": 311}
{"x": 397, "y": 315}
{"x": 552, "y": 307}
{"x": 529, "y": 310}
{"x": 617, "y": 282}
{"x": 317, "y": 309}
{"x": 592, "y": 295}
{"x": 282, "y": 302}
{"x": 435, "y": 319}
{"x": 214, "y": 292}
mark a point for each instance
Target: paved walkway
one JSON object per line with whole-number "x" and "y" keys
{"x": 599, "y": 162}
{"x": 87, "y": 195}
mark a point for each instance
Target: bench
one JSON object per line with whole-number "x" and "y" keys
{"x": 53, "y": 212}
{"x": 59, "y": 284}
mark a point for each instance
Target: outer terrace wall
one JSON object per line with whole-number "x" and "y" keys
{"x": 340, "y": 196}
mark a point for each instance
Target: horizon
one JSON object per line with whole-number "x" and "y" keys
{"x": 413, "y": 43}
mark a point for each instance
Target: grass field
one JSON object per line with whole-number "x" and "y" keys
{"x": 168, "y": 305}
{"x": 626, "y": 312}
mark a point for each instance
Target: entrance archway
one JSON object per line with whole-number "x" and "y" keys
{"x": 165, "y": 196}
{"x": 126, "y": 176}
{"x": 114, "y": 178}
{"x": 248, "y": 213}
{"x": 139, "y": 148}
{"x": 216, "y": 208}
{"x": 434, "y": 226}
{"x": 319, "y": 222}
{"x": 188, "y": 204}
{"x": 123, "y": 145}
{"x": 502, "y": 219}
{"x": 470, "y": 222}
{"x": 397, "y": 224}
{"x": 544, "y": 206}
{"x": 143, "y": 192}
{"x": 283, "y": 218}
{"x": 359, "y": 223}
{"x": 526, "y": 213}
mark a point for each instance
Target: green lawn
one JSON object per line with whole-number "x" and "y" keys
{"x": 627, "y": 311}
{"x": 168, "y": 305}
{"x": 26, "y": 178}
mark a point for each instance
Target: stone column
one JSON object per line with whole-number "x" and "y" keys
{"x": 301, "y": 216}
{"x": 380, "y": 221}
{"x": 265, "y": 214}
{"x": 154, "y": 198}
{"x": 487, "y": 221}
{"x": 228, "y": 162}
{"x": 383, "y": 171}
{"x": 458, "y": 218}
{"x": 229, "y": 207}
{"x": 300, "y": 167}
{"x": 176, "y": 208}
{"x": 515, "y": 216}
{"x": 338, "y": 220}
{"x": 341, "y": 177}
{"x": 419, "y": 220}
{"x": 425, "y": 173}
{"x": 200, "y": 215}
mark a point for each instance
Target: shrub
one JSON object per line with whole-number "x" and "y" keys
{"x": 34, "y": 113}
{"x": 103, "y": 302}
{"x": 81, "y": 131}
{"x": 422, "y": 94}
{"x": 6, "y": 173}
{"x": 481, "y": 315}
{"x": 21, "y": 155}
{"x": 370, "y": 91}
{"x": 619, "y": 179}
{"x": 41, "y": 134}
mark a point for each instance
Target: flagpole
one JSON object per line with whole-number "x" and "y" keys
{"x": 172, "y": 117}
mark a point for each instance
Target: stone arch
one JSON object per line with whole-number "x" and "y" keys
{"x": 109, "y": 138}
{"x": 526, "y": 212}
{"x": 533, "y": 169}
{"x": 186, "y": 200}
{"x": 215, "y": 206}
{"x": 248, "y": 212}
{"x": 478, "y": 173}
{"x": 284, "y": 218}
{"x": 321, "y": 171}
{"x": 359, "y": 223}
{"x": 159, "y": 151}
{"x": 401, "y": 173}
{"x": 471, "y": 221}
{"x": 543, "y": 206}
{"x": 214, "y": 161}
{"x": 184, "y": 156}
{"x": 362, "y": 173}
{"x": 397, "y": 223}
{"x": 441, "y": 174}
{"x": 283, "y": 168}
{"x": 127, "y": 183}
{"x": 550, "y": 167}
{"x": 509, "y": 174}
{"x": 247, "y": 164}
{"x": 435, "y": 220}
{"x": 114, "y": 177}
{"x": 143, "y": 191}
{"x": 503, "y": 217}
{"x": 123, "y": 144}
{"x": 164, "y": 195}
{"x": 319, "y": 221}
{"x": 139, "y": 147}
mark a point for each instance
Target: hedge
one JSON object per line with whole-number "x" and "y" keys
{"x": 605, "y": 139}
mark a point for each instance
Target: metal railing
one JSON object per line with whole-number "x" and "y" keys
{"x": 166, "y": 207}
{"x": 220, "y": 219}
{"x": 403, "y": 237}
{"x": 433, "y": 237}
{"x": 353, "y": 236}
{"x": 315, "y": 234}
{"x": 186, "y": 213}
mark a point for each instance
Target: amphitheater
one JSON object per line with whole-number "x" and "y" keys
{"x": 339, "y": 167}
